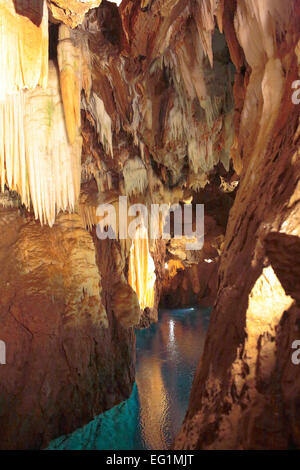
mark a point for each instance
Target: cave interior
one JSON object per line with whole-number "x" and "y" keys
{"x": 109, "y": 111}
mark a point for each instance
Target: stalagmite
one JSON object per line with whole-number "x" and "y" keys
{"x": 141, "y": 274}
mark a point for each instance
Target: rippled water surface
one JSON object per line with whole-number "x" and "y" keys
{"x": 167, "y": 355}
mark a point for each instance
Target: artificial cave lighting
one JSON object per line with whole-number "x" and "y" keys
{"x": 171, "y": 335}
{"x": 173, "y": 266}
{"x": 141, "y": 274}
{"x": 266, "y": 306}
{"x": 267, "y": 301}
{"x": 188, "y": 200}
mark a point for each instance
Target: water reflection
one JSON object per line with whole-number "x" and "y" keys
{"x": 167, "y": 355}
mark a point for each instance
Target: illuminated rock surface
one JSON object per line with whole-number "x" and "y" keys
{"x": 71, "y": 12}
{"x": 164, "y": 102}
{"x": 67, "y": 356}
{"x": 245, "y": 394}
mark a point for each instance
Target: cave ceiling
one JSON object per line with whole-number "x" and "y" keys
{"x": 146, "y": 93}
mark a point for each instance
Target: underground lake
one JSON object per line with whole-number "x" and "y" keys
{"x": 167, "y": 355}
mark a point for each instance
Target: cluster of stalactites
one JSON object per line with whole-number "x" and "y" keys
{"x": 13, "y": 171}
{"x": 135, "y": 176}
{"x": 23, "y": 66}
{"x": 88, "y": 216}
{"x": 208, "y": 137}
{"x": 23, "y": 46}
{"x": 38, "y": 158}
{"x": 141, "y": 276}
{"x": 205, "y": 13}
{"x": 258, "y": 26}
{"x": 53, "y": 164}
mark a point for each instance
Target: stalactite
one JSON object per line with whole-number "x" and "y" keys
{"x": 88, "y": 215}
{"x": 199, "y": 89}
{"x": 23, "y": 65}
{"x": 36, "y": 159}
{"x": 103, "y": 121}
{"x": 13, "y": 171}
{"x": 258, "y": 28}
{"x": 53, "y": 164}
{"x": 205, "y": 12}
{"x": 23, "y": 47}
{"x": 198, "y": 181}
{"x": 141, "y": 274}
{"x": 69, "y": 61}
{"x": 135, "y": 176}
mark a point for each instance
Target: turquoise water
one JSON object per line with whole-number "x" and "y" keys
{"x": 167, "y": 356}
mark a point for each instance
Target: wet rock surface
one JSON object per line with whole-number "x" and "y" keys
{"x": 243, "y": 395}
{"x": 173, "y": 102}
{"x": 68, "y": 358}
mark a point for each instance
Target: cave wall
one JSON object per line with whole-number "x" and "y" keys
{"x": 195, "y": 285}
{"x": 245, "y": 393}
{"x": 190, "y": 277}
{"x": 156, "y": 99}
{"x": 68, "y": 356}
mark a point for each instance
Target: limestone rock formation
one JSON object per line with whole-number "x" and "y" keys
{"x": 170, "y": 103}
{"x": 195, "y": 285}
{"x": 71, "y": 12}
{"x": 64, "y": 363}
{"x": 244, "y": 393}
